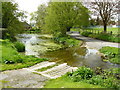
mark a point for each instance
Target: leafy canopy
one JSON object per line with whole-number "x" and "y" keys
{"x": 61, "y": 16}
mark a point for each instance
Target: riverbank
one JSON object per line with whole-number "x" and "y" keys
{"x": 39, "y": 44}
{"x": 12, "y": 59}
{"x": 35, "y": 45}
{"x": 109, "y": 51}
{"x": 94, "y": 43}
{"x": 33, "y": 78}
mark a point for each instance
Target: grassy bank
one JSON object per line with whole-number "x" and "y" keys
{"x": 12, "y": 59}
{"x": 67, "y": 41}
{"x": 87, "y": 78}
{"x": 102, "y": 36}
{"x": 109, "y": 29}
{"x": 111, "y": 54}
{"x": 97, "y": 33}
{"x": 66, "y": 82}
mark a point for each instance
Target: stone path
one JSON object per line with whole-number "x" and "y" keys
{"x": 30, "y": 78}
{"x": 93, "y": 43}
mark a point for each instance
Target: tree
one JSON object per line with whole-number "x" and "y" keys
{"x": 61, "y": 16}
{"x": 33, "y": 18}
{"x": 106, "y": 9}
{"x": 10, "y": 18}
{"x": 38, "y": 17}
{"x": 41, "y": 13}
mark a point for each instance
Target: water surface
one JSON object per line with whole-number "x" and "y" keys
{"x": 74, "y": 56}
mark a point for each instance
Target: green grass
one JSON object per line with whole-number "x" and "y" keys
{"x": 112, "y": 54}
{"x": 2, "y": 82}
{"x": 45, "y": 68}
{"x": 105, "y": 79}
{"x": 11, "y": 59}
{"x": 66, "y": 82}
{"x": 114, "y": 30}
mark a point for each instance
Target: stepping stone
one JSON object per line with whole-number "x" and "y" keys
{"x": 57, "y": 71}
{"x": 40, "y": 65}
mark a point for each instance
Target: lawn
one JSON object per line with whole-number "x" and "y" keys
{"x": 109, "y": 29}
{"x": 66, "y": 82}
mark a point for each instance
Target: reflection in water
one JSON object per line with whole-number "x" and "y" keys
{"x": 75, "y": 56}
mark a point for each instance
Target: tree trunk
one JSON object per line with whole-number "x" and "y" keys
{"x": 68, "y": 29}
{"x": 105, "y": 28}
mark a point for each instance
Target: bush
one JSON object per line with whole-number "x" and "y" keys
{"x": 109, "y": 82}
{"x": 96, "y": 80}
{"x": 68, "y": 41}
{"x": 93, "y": 36}
{"x": 104, "y": 36}
{"x": 85, "y": 33}
{"x": 81, "y": 73}
{"x": 111, "y": 54}
{"x": 19, "y": 46}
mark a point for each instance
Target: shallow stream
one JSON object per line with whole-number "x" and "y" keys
{"x": 74, "y": 56}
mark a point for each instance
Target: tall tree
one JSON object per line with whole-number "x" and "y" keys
{"x": 41, "y": 13}
{"x": 10, "y": 18}
{"x": 61, "y": 16}
{"x": 106, "y": 9}
{"x": 38, "y": 17}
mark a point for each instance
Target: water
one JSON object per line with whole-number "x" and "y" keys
{"x": 75, "y": 56}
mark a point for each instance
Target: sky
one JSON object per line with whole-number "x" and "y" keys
{"x": 30, "y": 6}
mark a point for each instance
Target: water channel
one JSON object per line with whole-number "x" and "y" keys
{"x": 74, "y": 56}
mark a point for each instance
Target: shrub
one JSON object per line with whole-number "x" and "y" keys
{"x": 81, "y": 73}
{"x": 93, "y": 35}
{"x": 109, "y": 82}
{"x": 104, "y": 36}
{"x": 19, "y": 46}
{"x": 68, "y": 41}
{"x": 111, "y": 53}
{"x": 85, "y": 33}
{"x": 96, "y": 80}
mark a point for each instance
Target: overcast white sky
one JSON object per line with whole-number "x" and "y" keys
{"x": 30, "y": 5}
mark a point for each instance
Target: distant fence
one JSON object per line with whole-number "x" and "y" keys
{"x": 97, "y": 31}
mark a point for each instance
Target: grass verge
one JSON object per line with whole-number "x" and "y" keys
{"x": 85, "y": 77}
{"x": 45, "y": 68}
{"x": 66, "y": 82}
{"x": 12, "y": 59}
{"x": 112, "y": 54}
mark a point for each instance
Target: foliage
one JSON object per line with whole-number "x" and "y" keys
{"x": 112, "y": 54}
{"x": 19, "y": 46}
{"x": 38, "y": 17}
{"x": 81, "y": 73}
{"x": 106, "y": 10}
{"x": 109, "y": 82}
{"x": 102, "y": 36}
{"x": 67, "y": 41}
{"x": 66, "y": 82}
{"x": 10, "y": 15}
{"x": 11, "y": 59}
{"x": 85, "y": 33}
{"x": 61, "y": 16}
{"x": 108, "y": 78}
